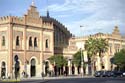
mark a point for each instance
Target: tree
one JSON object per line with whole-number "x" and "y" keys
{"x": 119, "y": 59}
{"x": 95, "y": 46}
{"x": 59, "y": 60}
{"x": 102, "y": 47}
{"x": 90, "y": 46}
{"x": 77, "y": 58}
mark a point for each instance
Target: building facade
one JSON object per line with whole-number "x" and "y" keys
{"x": 115, "y": 40}
{"x": 61, "y": 34}
{"x": 27, "y": 42}
{"x": 28, "y": 39}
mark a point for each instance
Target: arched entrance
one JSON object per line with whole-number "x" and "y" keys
{"x": 3, "y": 70}
{"x": 33, "y": 68}
{"x": 17, "y": 66}
{"x": 46, "y": 67}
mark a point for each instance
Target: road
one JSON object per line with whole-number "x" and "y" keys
{"x": 76, "y": 80}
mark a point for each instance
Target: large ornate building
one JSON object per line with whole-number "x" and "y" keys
{"x": 116, "y": 42}
{"x": 27, "y": 42}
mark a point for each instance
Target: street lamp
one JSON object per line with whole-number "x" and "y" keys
{"x": 81, "y": 53}
{"x": 81, "y": 63}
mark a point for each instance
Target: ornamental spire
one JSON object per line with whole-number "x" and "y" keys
{"x": 33, "y": 4}
{"x": 47, "y": 9}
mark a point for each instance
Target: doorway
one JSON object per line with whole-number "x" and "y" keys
{"x": 3, "y": 70}
{"x": 33, "y": 68}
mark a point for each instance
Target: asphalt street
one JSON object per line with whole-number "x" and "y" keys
{"x": 75, "y": 80}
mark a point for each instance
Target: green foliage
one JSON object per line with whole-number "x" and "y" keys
{"x": 102, "y": 45}
{"x": 119, "y": 58}
{"x": 59, "y": 60}
{"x": 90, "y": 46}
{"x": 96, "y": 45}
{"x": 77, "y": 58}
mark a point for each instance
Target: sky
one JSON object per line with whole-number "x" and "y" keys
{"x": 93, "y": 15}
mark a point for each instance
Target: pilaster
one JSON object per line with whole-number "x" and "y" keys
{"x": 10, "y": 50}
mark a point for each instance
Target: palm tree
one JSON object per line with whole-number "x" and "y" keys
{"x": 90, "y": 46}
{"x": 95, "y": 46}
{"x": 102, "y": 47}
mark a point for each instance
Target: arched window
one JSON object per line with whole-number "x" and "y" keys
{"x": 3, "y": 65}
{"x": 33, "y": 62}
{"x": 35, "y": 42}
{"x": 3, "y": 40}
{"x": 17, "y": 41}
{"x": 30, "y": 41}
{"x": 47, "y": 43}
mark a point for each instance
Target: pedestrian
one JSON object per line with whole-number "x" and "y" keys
{"x": 23, "y": 74}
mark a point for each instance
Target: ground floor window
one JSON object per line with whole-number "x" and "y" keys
{"x": 3, "y": 70}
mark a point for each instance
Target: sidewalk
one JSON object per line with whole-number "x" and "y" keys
{"x": 43, "y": 78}
{"x": 58, "y": 77}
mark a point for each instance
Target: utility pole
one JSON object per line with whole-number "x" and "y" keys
{"x": 81, "y": 54}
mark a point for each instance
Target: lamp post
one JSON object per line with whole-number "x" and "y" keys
{"x": 81, "y": 53}
{"x": 81, "y": 63}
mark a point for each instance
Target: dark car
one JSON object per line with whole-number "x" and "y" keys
{"x": 98, "y": 73}
{"x": 106, "y": 73}
{"x": 116, "y": 73}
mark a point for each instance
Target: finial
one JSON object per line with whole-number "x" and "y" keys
{"x": 48, "y": 14}
{"x": 47, "y": 9}
{"x": 33, "y": 3}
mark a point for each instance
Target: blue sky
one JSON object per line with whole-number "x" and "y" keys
{"x": 94, "y": 15}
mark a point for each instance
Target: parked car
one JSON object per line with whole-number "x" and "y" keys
{"x": 98, "y": 74}
{"x": 106, "y": 73}
{"x": 123, "y": 74}
{"x": 116, "y": 73}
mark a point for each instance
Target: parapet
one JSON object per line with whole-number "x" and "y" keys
{"x": 48, "y": 25}
{"x": 12, "y": 19}
{"x": 18, "y": 20}
{"x": 4, "y": 19}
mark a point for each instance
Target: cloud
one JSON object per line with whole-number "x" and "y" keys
{"x": 71, "y": 5}
{"x": 94, "y": 15}
{"x": 102, "y": 16}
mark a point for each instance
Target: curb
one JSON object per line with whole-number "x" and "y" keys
{"x": 11, "y": 80}
{"x": 49, "y": 78}
{"x": 45, "y": 79}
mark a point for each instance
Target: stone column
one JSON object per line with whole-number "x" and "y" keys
{"x": 69, "y": 65}
{"x": 76, "y": 72}
{"x": 28, "y": 70}
{"x": 113, "y": 47}
{"x": 107, "y": 62}
{"x": 87, "y": 69}
{"x": 98, "y": 63}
